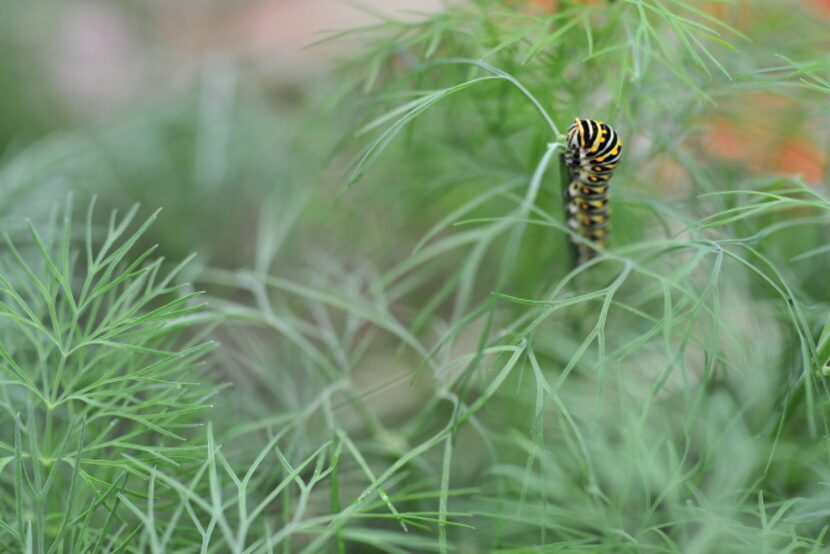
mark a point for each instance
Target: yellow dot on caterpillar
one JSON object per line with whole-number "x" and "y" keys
{"x": 593, "y": 179}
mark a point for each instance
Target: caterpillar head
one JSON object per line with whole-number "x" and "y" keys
{"x": 599, "y": 140}
{"x": 587, "y": 133}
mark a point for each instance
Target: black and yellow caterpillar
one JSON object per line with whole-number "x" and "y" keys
{"x": 593, "y": 151}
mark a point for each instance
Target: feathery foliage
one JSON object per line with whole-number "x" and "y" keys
{"x": 407, "y": 362}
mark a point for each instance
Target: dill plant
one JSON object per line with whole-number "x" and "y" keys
{"x": 98, "y": 374}
{"x": 437, "y": 378}
{"x": 652, "y": 399}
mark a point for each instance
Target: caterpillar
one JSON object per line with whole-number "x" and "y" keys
{"x": 593, "y": 151}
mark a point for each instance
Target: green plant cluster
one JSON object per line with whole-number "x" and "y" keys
{"x": 395, "y": 354}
